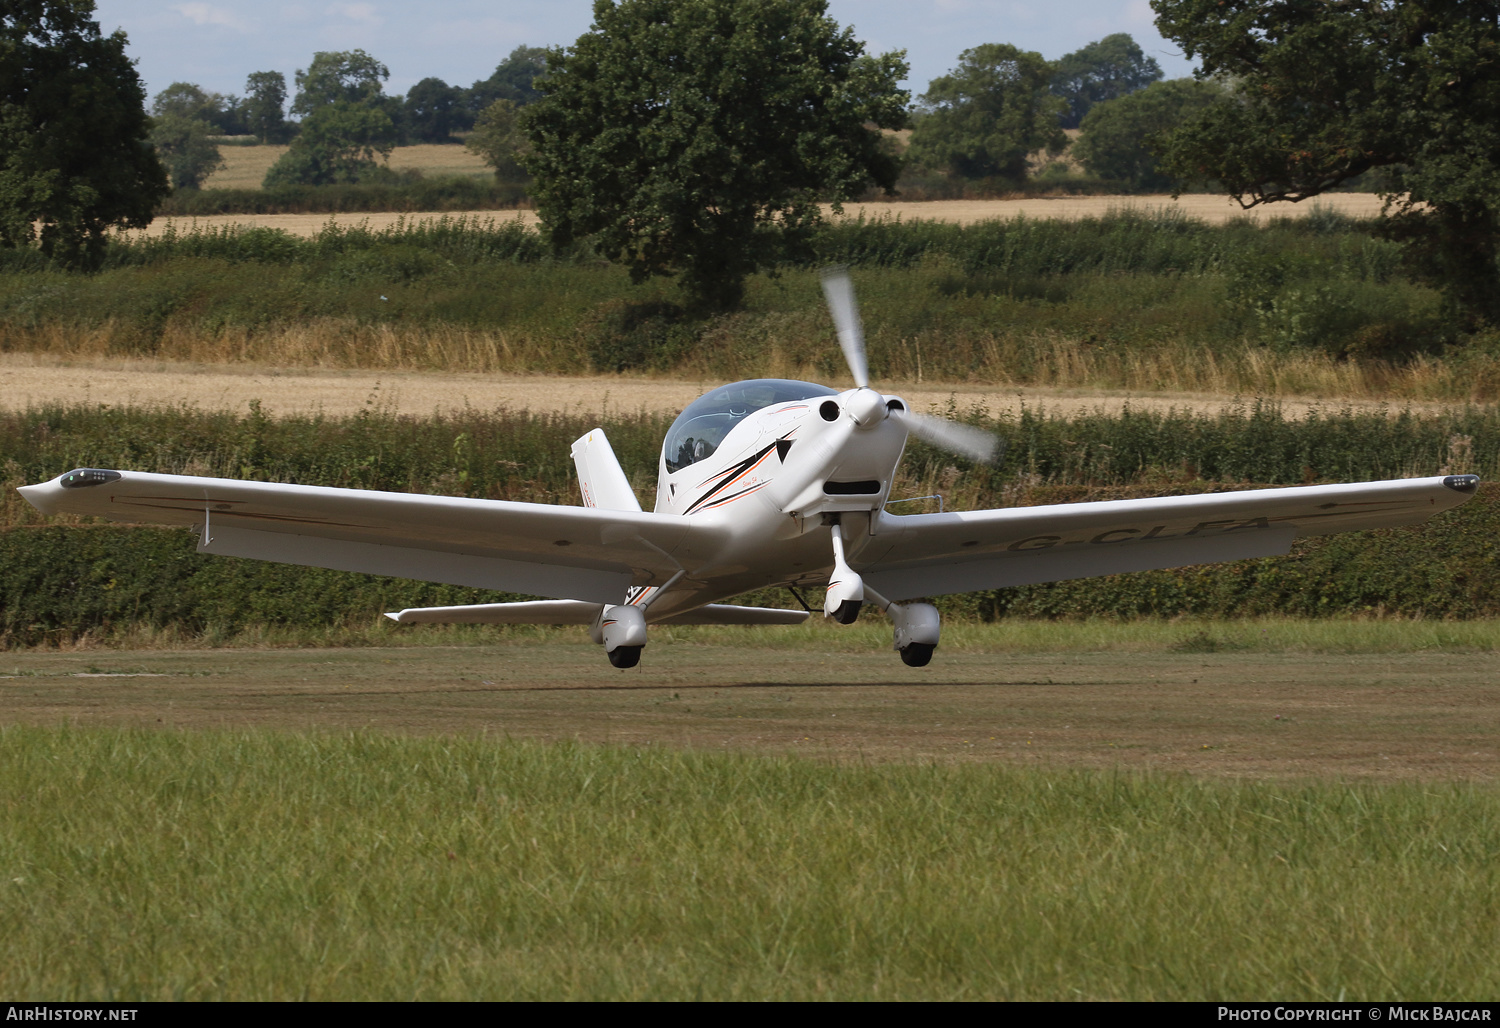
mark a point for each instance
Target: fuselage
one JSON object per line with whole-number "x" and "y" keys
{"x": 778, "y": 460}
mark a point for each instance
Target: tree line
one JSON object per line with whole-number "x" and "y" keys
{"x": 345, "y": 120}
{"x": 982, "y": 121}
{"x": 695, "y": 139}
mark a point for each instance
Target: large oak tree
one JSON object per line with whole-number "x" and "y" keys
{"x": 75, "y": 157}
{"x": 1326, "y": 90}
{"x": 697, "y": 137}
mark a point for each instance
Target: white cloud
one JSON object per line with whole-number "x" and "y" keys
{"x": 1138, "y": 13}
{"x": 207, "y": 14}
{"x": 364, "y": 14}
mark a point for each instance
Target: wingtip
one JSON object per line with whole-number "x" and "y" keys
{"x": 38, "y": 495}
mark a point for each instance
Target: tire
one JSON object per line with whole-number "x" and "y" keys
{"x": 625, "y": 656}
{"x": 847, "y": 612}
{"x": 917, "y": 654}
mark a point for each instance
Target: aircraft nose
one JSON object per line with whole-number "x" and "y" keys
{"x": 866, "y": 407}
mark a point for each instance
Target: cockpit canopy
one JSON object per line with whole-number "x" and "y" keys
{"x": 702, "y": 426}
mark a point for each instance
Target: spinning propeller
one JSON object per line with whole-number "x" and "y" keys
{"x": 964, "y": 440}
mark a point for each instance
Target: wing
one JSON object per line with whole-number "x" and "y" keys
{"x": 576, "y": 553}
{"x": 933, "y": 554}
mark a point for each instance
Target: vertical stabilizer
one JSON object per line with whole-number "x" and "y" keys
{"x": 599, "y": 476}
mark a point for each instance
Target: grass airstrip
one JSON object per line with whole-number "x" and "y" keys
{"x": 1147, "y": 810}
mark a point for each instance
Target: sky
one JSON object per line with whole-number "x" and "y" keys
{"x": 217, "y": 43}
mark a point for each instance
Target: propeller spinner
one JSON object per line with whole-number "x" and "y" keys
{"x": 964, "y": 440}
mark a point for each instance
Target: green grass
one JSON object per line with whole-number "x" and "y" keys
{"x": 144, "y": 865}
{"x": 1286, "y": 635}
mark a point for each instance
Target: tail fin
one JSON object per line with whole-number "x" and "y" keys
{"x": 599, "y": 475}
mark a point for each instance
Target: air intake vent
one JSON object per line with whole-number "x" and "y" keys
{"x": 866, "y": 488}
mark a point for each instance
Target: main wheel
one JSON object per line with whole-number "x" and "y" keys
{"x": 625, "y": 656}
{"x": 917, "y": 654}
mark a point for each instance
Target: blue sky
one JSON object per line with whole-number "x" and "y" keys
{"x": 216, "y": 43}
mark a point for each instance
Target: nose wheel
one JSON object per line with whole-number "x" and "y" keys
{"x": 847, "y": 612}
{"x": 626, "y": 656}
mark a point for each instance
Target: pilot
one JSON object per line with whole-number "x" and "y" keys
{"x": 693, "y": 450}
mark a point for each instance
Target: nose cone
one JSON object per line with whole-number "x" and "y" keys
{"x": 866, "y": 407}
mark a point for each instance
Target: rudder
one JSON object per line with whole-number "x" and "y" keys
{"x": 600, "y": 478}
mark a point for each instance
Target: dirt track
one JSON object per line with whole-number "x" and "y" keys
{"x": 1208, "y": 207}
{"x": 1382, "y": 717}
{"x": 26, "y": 379}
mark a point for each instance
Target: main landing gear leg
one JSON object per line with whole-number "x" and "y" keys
{"x": 917, "y": 628}
{"x": 621, "y": 627}
{"x": 917, "y": 624}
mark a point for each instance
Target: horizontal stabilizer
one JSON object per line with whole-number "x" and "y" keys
{"x": 580, "y": 612}
{"x": 533, "y": 612}
{"x": 729, "y": 614}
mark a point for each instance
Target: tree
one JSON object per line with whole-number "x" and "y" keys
{"x": 75, "y": 156}
{"x": 346, "y": 122}
{"x": 224, "y": 115}
{"x": 186, "y": 148}
{"x": 433, "y": 110}
{"x": 1121, "y": 138}
{"x": 186, "y": 100}
{"x": 1107, "y": 69}
{"x": 982, "y": 119}
{"x": 338, "y": 144}
{"x": 499, "y": 140}
{"x": 1325, "y": 92}
{"x": 698, "y": 138}
{"x": 181, "y": 127}
{"x": 339, "y": 76}
{"x": 514, "y": 80}
{"x": 265, "y": 106}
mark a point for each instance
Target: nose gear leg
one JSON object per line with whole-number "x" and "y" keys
{"x": 621, "y": 630}
{"x": 846, "y": 590}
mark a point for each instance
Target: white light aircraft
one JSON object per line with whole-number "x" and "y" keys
{"x": 762, "y": 483}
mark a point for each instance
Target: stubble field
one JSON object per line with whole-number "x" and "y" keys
{"x": 1210, "y": 208}
{"x": 30, "y": 379}
{"x": 246, "y": 166}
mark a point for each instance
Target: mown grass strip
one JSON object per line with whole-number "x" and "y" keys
{"x": 229, "y": 865}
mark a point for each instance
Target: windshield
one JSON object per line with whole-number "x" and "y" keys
{"x": 700, "y": 428}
